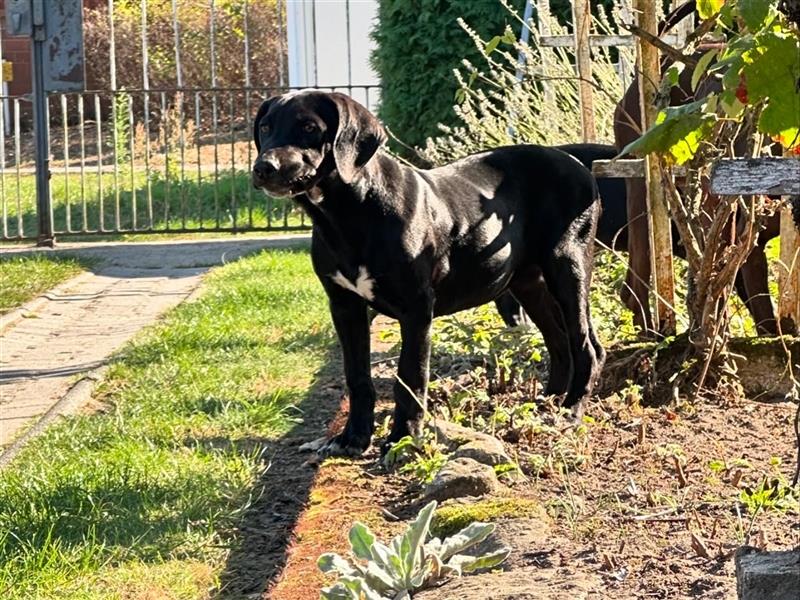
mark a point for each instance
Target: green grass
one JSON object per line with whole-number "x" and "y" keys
{"x": 140, "y": 499}
{"x": 25, "y": 277}
{"x": 227, "y": 201}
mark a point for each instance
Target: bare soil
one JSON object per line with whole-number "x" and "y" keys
{"x": 639, "y": 502}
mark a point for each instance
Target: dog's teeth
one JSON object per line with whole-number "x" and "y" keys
{"x": 313, "y": 446}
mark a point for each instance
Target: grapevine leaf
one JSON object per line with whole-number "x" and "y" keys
{"x": 708, "y": 8}
{"x": 677, "y": 132}
{"x": 772, "y": 71}
{"x": 755, "y": 12}
{"x": 702, "y": 66}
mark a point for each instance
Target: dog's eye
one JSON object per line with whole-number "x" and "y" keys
{"x": 309, "y": 127}
{"x": 264, "y": 128}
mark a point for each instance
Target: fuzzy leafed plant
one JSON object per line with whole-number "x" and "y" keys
{"x": 378, "y": 571}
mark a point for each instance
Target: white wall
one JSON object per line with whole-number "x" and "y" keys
{"x": 326, "y": 65}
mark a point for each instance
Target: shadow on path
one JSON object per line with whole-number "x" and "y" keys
{"x": 260, "y": 546}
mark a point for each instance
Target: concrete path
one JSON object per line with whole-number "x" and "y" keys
{"x": 56, "y": 340}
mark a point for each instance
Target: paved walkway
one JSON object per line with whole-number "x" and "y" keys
{"x": 47, "y": 346}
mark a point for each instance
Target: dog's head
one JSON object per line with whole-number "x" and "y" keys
{"x": 302, "y": 138}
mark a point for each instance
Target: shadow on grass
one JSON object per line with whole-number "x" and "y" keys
{"x": 260, "y": 546}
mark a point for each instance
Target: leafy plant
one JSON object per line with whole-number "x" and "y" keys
{"x": 378, "y": 571}
{"x": 769, "y": 494}
{"x": 421, "y": 458}
{"x": 518, "y": 93}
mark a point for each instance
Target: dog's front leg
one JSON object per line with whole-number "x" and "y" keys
{"x": 410, "y": 389}
{"x": 349, "y": 313}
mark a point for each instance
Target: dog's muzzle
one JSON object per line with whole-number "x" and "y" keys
{"x": 272, "y": 177}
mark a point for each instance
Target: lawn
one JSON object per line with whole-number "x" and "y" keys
{"x": 25, "y": 277}
{"x": 140, "y": 497}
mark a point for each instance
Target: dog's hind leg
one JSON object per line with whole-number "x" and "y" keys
{"x": 531, "y": 292}
{"x": 567, "y": 275}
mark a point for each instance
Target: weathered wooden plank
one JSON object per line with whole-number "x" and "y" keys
{"x": 767, "y": 175}
{"x": 568, "y": 41}
{"x": 658, "y": 216}
{"x": 767, "y": 575}
{"x": 624, "y": 168}
{"x": 582, "y": 19}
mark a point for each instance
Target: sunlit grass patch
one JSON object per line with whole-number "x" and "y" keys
{"x": 137, "y": 497}
{"x": 24, "y": 277}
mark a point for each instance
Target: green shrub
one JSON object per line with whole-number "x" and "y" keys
{"x": 419, "y": 43}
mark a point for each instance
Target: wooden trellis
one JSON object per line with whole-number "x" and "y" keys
{"x": 749, "y": 177}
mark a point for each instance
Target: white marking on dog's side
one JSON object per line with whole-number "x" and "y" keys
{"x": 363, "y": 284}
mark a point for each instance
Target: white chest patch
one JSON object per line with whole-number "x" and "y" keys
{"x": 362, "y": 286}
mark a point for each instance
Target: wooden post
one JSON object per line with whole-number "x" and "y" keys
{"x": 658, "y": 217}
{"x": 582, "y": 19}
{"x": 789, "y": 274}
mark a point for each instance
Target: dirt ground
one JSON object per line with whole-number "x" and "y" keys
{"x": 637, "y": 502}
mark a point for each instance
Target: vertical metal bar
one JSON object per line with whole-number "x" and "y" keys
{"x": 182, "y": 144}
{"x": 41, "y": 127}
{"x": 115, "y": 121}
{"x": 99, "y": 130}
{"x": 546, "y": 54}
{"x": 112, "y": 47}
{"x": 146, "y": 100}
{"x": 82, "y": 125}
{"x": 65, "y": 131}
{"x": 17, "y": 160}
{"x": 134, "y": 208}
{"x": 199, "y": 194}
{"x": 234, "y": 206}
{"x": 176, "y": 31}
{"x": 147, "y": 184}
{"x": 247, "y": 107}
{"x": 3, "y": 158}
{"x": 281, "y": 40}
{"x": 214, "y": 116}
{"x": 349, "y": 54}
{"x": 314, "y": 39}
{"x": 165, "y": 126}
{"x": 145, "y": 49}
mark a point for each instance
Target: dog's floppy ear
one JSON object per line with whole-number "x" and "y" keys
{"x": 358, "y": 137}
{"x": 262, "y": 112}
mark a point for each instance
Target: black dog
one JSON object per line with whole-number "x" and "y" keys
{"x": 416, "y": 244}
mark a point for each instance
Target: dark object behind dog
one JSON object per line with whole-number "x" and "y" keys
{"x": 752, "y": 280}
{"x": 416, "y": 244}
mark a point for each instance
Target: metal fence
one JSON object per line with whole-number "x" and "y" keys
{"x": 148, "y": 159}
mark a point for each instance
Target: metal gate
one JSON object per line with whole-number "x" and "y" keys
{"x": 162, "y": 143}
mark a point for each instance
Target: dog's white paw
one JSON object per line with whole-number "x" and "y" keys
{"x": 325, "y": 447}
{"x": 314, "y": 446}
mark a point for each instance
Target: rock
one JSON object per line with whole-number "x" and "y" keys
{"x": 468, "y": 443}
{"x": 461, "y": 477}
{"x": 453, "y": 436}
{"x": 488, "y": 452}
{"x": 767, "y": 575}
